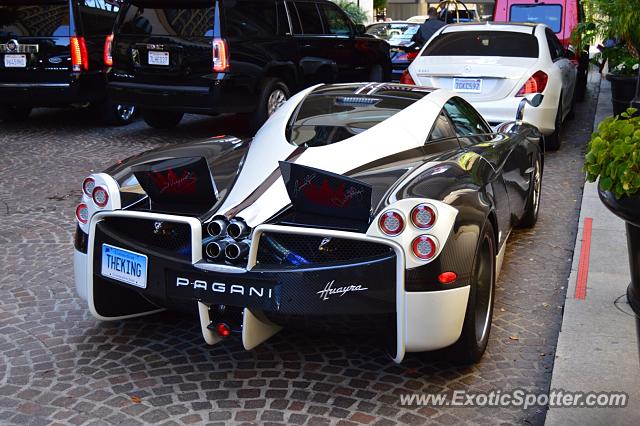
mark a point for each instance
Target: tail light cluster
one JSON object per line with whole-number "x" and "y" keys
{"x": 97, "y": 194}
{"x": 108, "y": 58}
{"x": 79, "y": 55}
{"x": 406, "y": 78}
{"x": 422, "y": 217}
{"x": 535, "y": 84}
{"x": 226, "y": 240}
{"x": 220, "y": 55}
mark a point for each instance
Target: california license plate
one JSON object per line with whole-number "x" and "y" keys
{"x": 15, "y": 61}
{"x": 124, "y": 265}
{"x": 467, "y": 85}
{"x": 158, "y": 58}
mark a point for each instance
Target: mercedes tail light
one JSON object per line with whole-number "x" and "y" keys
{"x": 424, "y": 247}
{"x": 82, "y": 213}
{"x": 535, "y": 84}
{"x": 220, "y": 52}
{"x": 88, "y": 185}
{"x": 391, "y": 223}
{"x": 412, "y": 55}
{"x": 423, "y": 216}
{"x": 406, "y": 78}
{"x": 100, "y": 196}
{"x": 108, "y": 59}
{"x": 79, "y": 56}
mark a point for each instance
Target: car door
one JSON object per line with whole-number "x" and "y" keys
{"x": 564, "y": 67}
{"x": 339, "y": 42}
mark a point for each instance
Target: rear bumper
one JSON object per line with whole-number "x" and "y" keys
{"x": 419, "y": 321}
{"x": 218, "y": 96}
{"x": 88, "y": 88}
{"x": 504, "y": 110}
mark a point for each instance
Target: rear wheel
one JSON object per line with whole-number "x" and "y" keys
{"x": 552, "y": 142}
{"x": 532, "y": 205}
{"x": 161, "y": 119}
{"x": 477, "y": 322}
{"x": 274, "y": 93}
{"x": 14, "y": 114}
{"x": 117, "y": 114}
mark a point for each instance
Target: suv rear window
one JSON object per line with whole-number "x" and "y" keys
{"x": 324, "y": 119}
{"x": 97, "y": 17}
{"x": 549, "y": 14}
{"x": 34, "y": 19}
{"x": 483, "y": 43}
{"x": 168, "y": 18}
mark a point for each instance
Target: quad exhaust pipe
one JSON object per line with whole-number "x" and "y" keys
{"x": 238, "y": 230}
{"x": 236, "y": 251}
{"x": 215, "y": 249}
{"x": 217, "y": 228}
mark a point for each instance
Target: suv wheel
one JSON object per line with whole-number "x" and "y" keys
{"x": 14, "y": 114}
{"x": 274, "y": 93}
{"x": 117, "y": 114}
{"x": 161, "y": 119}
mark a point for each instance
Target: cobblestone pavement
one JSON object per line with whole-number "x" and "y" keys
{"x": 57, "y": 363}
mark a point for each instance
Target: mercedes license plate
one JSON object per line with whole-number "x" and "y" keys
{"x": 467, "y": 85}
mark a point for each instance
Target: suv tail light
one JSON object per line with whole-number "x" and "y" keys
{"x": 108, "y": 59}
{"x": 536, "y": 84}
{"x": 220, "y": 53}
{"x": 79, "y": 56}
{"x": 406, "y": 78}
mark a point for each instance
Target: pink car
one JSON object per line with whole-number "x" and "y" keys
{"x": 561, "y": 16}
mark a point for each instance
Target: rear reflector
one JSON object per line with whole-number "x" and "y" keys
{"x": 220, "y": 54}
{"x": 447, "y": 277}
{"x": 79, "y": 56}
{"x": 536, "y": 84}
{"x": 108, "y": 59}
{"x": 406, "y": 78}
{"x": 223, "y": 330}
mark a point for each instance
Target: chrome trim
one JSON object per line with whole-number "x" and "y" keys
{"x": 217, "y": 267}
{"x": 32, "y": 85}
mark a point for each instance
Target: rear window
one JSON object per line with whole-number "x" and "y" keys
{"x": 549, "y": 14}
{"x": 483, "y": 43}
{"x": 324, "y": 119}
{"x": 168, "y": 18}
{"x": 34, "y": 19}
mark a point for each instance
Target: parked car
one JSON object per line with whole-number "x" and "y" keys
{"x": 494, "y": 65}
{"x": 562, "y": 16}
{"x": 51, "y": 56}
{"x": 357, "y": 208}
{"x": 400, "y": 36}
{"x": 234, "y": 56}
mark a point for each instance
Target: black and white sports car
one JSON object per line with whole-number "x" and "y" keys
{"x": 364, "y": 208}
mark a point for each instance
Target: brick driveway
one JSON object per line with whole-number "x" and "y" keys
{"x": 57, "y": 363}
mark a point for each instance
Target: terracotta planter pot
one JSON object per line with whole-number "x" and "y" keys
{"x": 628, "y": 209}
{"x": 623, "y": 90}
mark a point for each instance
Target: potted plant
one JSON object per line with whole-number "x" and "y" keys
{"x": 623, "y": 75}
{"x": 613, "y": 155}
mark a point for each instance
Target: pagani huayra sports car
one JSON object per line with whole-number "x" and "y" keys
{"x": 363, "y": 208}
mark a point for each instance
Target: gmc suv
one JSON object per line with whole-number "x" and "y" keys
{"x": 51, "y": 55}
{"x": 233, "y": 56}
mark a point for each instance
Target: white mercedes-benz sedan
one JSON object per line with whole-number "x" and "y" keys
{"x": 494, "y": 65}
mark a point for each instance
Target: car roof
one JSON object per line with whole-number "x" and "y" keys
{"x": 517, "y": 27}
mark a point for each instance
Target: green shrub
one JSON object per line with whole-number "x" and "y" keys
{"x": 355, "y": 12}
{"x": 613, "y": 154}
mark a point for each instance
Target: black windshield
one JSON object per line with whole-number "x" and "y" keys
{"x": 483, "y": 43}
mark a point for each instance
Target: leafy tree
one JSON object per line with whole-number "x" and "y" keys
{"x": 355, "y": 12}
{"x": 380, "y": 4}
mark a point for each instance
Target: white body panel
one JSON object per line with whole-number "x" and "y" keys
{"x": 502, "y": 77}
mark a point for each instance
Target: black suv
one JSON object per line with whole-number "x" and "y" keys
{"x": 234, "y": 56}
{"x": 51, "y": 55}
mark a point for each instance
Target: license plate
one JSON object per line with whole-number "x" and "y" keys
{"x": 159, "y": 58}
{"x": 467, "y": 85}
{"x": 124, "y": 265}
{"x": 15, "y": 61}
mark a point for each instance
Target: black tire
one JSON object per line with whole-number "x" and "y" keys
{"x": 14, "y": 114}
{"x": 161, "y": 119}
{"x": 532, "y": 205}
{"x": 552, "y": 142}
{"x": 273, "y": 94}
{"x": 116, "y": 114}
{"x": 477, "y": 322}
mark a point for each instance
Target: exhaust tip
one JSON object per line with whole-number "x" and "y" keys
{"x": 236, "y": 251}
{"x": 217, "y": 228}
{"x": 214, "y": 249}
{"x": 238, "y": 230}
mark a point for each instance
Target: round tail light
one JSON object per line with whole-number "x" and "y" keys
{"x": 88, "y": 186}
{"x": 424, "y": 247}
{"x": 100, "y": 196}
{"x": 391, "y": 223}
{"x": 423, "y": 216}
{"x": 82, "y": 213}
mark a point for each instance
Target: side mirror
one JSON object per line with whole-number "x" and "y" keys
{"x": 534, "y": 101}
{"x": 360, "y": 29}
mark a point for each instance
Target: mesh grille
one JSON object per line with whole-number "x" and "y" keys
{"x": 170, "y": 238}
{"x": 300, "y": 250}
